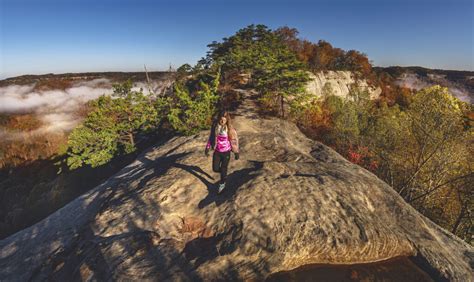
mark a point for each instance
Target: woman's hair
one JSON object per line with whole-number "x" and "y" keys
{"x": 226, "y": 114}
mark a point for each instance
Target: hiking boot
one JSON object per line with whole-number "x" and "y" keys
{"x": 221, "y": 187}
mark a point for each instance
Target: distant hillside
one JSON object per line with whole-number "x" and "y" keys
{"x": 113, "y": 76}
{"x": 460, "y": 83}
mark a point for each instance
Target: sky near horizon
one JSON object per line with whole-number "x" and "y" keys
{"x": 44, "y": 36}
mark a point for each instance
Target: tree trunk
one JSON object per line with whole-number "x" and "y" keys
{"x": 282, "y": 106}
{"x": 131, "y": 139}
{"x": 458, "y": 221}
{"x": 460, "y": 216}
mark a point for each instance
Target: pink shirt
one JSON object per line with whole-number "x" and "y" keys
{"x": 222, "y": 140}
{"x": 223, "y": 143}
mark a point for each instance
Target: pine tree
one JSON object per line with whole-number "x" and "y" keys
{"x": 111, "y": 127}
{"x": 274, "y": 68}
{"x": 191, "y": 110}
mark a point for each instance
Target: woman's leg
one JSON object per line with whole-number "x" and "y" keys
{"x": 216, "y": 162}
{"x": 224, "y": 164}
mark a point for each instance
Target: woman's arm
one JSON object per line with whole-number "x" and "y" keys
{"x": 234, "y": 142}
{"x": 211, "y": 136}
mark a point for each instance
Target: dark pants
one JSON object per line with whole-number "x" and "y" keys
{"x": 220, "y": 162}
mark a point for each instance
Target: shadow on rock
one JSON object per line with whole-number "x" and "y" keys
{"x": 198, "y": 173}
{"x": 234, "y": 180}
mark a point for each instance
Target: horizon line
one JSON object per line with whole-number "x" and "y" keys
{"x": 174, "y": 69}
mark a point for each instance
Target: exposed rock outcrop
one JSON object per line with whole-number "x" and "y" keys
{"x": 338, "y": 83}
{"x": 290, "y": 202}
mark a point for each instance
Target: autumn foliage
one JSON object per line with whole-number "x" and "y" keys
{"x": 322, "y": 55}
{"x": 420, "y": 145}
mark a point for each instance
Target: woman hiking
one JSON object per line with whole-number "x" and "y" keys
{"x": 223, "y": 140}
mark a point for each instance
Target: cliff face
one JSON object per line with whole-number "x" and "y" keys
{"x": 289, "y": 202}
{"x": 338, "y": 83}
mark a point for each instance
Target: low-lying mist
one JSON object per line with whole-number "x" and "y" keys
{"x": 58, "y": 110}
{"x": 414, "y": 81}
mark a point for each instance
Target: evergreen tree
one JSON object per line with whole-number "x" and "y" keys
{"x": 274, "y": 68}
{"x": 193, "y": 104}
{"x": 111, "y": 127}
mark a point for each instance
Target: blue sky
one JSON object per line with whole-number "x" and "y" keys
{"x": 104, "y": 35}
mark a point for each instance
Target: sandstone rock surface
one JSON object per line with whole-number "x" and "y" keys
{"x": 338, "y": 83}
{"x": 290, "y": 202}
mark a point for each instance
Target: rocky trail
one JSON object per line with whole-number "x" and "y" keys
{"x": 292, "y": 207}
